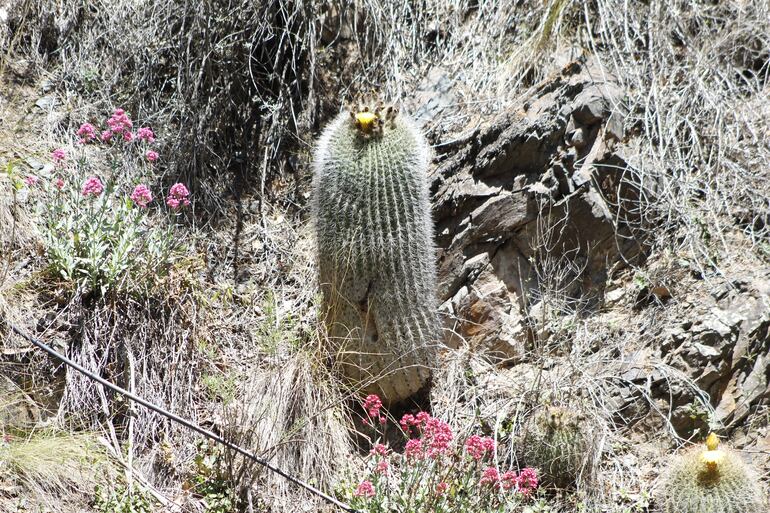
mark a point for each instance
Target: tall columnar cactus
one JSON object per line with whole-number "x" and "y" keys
{"x": 714, "y": 480}
{"x": 375, "y": 250}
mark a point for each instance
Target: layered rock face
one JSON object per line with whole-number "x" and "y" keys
{"x": 539, "y": 186}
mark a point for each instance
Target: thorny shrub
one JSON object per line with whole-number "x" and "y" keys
{"x": 96, "y": 224}
{"x": 437, "y": 474}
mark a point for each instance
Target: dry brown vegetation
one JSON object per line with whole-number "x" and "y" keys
{"x": 237, "y": 92}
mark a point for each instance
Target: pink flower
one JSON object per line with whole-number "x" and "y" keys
{"x": 372, "y": 405}
{"x": 92, "y": 187}
{"x": 59, "y": 183}
{"x": 86, "y": 132}
{"x": 177, "y": 196}
{"x": 365, "y": 489}
{"x": 410, "y": 421}
{"x": 151, "y": 155}
{"x": 59, "y": 155}
{"x": 30, "y": 180}
{"x": 379, "y": 449}
{"x": 128, "y": 136}
{"x": 119, "y": 122}
{"x": 141, "y": 195}
{"x": 145, "y": 134}
{"x": 382, "y": 467}
{"x": 436, "y": 433}
{"x": 490, "y": 477}
{"x": 407, "y": 421}
{"x": 527, "y": 482}
{"x": 439, "y": 436}
{"x": 510, "y": 480}
{"x": 106, "y": 136}
{"x": 441, "y": 488}
{"x": 413, "y": 449}
{"x": 477, "y": 446}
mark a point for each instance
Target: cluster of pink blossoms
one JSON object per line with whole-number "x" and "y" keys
{"x": 365, "y": 489}
{"x": 59, "y": 156}
{"x": 87, "y": 133}
{"x": 431, "y": 439}
{"x": 119, "y": 125}
{"x": 373, "y": 405}
{"x": 479, "y": 446}
{"x": 92, "y": 187}
{"x": 145, "y": 134}
{"x": 141, "y": 195}
{"x": 177, "y": 196}
{"x": 436, "y": 436}
{"x": 524, "y": 482}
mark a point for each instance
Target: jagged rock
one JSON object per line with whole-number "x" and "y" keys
{"x": 512, "y": 187}
{"x": 488, "y": 317}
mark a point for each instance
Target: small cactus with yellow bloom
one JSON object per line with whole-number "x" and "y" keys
{"x": 376, "y": 256}
{"x": 714, "y": 480}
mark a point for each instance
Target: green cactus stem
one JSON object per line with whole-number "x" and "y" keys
{"x": 376, "y": 256}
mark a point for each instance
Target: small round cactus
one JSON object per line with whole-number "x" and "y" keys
{"x": 376, "y": 256}
{"x": 561, "y": 444}
{"x": 714, "y": 480}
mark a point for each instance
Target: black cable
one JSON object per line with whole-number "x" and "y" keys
{"x": 186, "y": 423}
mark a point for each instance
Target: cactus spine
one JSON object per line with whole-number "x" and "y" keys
{"x": 375, "y": 251}
{"x": 712, "y": 481}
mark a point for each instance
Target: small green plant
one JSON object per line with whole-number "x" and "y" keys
{"x": 437, "y": 475}
{"x": 714, "y": 480}
{"x": 559, "y": 444}
{"x": 210, "y": 483}
{"x": 122, "y": 499}
{"x": 220, "y": 386}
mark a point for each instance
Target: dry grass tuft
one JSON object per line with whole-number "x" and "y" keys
{"x": 54, "y": 469}
{"x": 291, "y": 411}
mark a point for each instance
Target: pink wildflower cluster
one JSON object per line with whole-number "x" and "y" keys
{"x": 478, "y": 447}
{"x": 490, "y": 477}
{"x": 177, "y": 196}
{"x": 31, "y": 180}
{"x": 436, "y": 435}
{"x": 524, "y": 482}
{"x": 92, "y": 187}
{"x": 120, "y": 124}
{"x": 373, "y": 405}
{"x": 145, "y": 134}
{"x": 87, "y": 133}
{"x": 365, "y": 489}
{"x": 431, "y": 460}
{"x": 141, "y": 195}
{"x": 59, "y": 156}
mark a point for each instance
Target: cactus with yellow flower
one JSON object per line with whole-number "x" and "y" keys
{"x": 376, "y": 256}
{"x": 714, "y": 480}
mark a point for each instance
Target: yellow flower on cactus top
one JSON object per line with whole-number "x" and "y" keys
{"x": 712, "y": 456}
